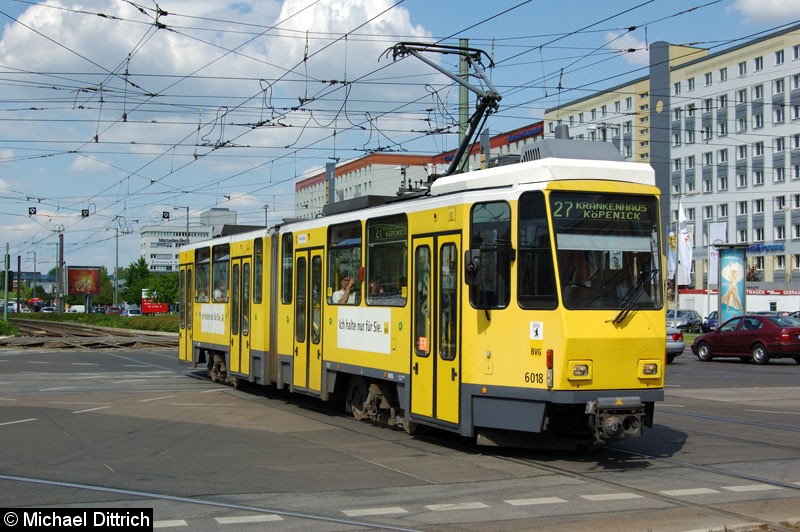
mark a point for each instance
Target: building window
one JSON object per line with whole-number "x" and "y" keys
{"x": 603, "y": 110}
{"x": 676, "y": 165}
{"x": 722, "y": 210}
{"x": 741, "y": 125}
{"x": 795, "y": 201}
{"x": 690, "y": 162}
{"x": 708, "y": 158}
{"x": 780, "y": 115}
{"x": 617, "y": 107}
{"x": 708, "y": 78}
{"x": 741, "y": 236}
{"x": 780, "y": 260}
{"x": 723, "y": 101}
{"x": 758, "y": 236}
{"x": 628, "y": 103}
{"x": 741, "y": 208}
{"x": 795, "y": 111}
{"x": 742, "y": 69}
{"x": 708, "y": 212}
{"x": 758, "y": 121}
{"x": 780, "y": 232}
{"x": 796, "y": 262}
{"x": 758, "y": 92}
{"x": 690, "y": 84}
{"x": 758, "y": 149}
{"x": 722, "y": 183}
{"x": 676, "y": 113}
{"x": 780, "y": 203}
{"x": 758, "y": 62}
{"x": 758, "y": 206}
{"x": 778, "y": 86}
{"x": 741, "y": 152}
{"x": 779, "y": 57}
{"x": 690, "y": 137}
{"x": 796, "y": 81}
{"x": 722, "y": 129}
{"x": 676, "y": 88}
{"x": 780, "y": 174}
{"x": 780, "y": 144}
{"x": 796, "y": 51}
{"x": 722, "y": 156}
{"x": 741, "y": 180}
{"x": 795, "y": 232}
{"x": 708, "y": 105}
{"x": 690, "y": 109}
{"x": 708, "y": 185}
{"x": 741, "y": 96}
{"x": 723, "y": 74}
{"x": 759, "y": 261}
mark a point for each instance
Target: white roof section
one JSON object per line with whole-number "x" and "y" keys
{"x": 543, "y": 171}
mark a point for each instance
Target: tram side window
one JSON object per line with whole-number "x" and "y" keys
{"x": 387, "y": 261}
{"x": 536, "y": 282}
{"x": 220, "y": 266}
{"x": 344, "y": 264}
{"x": 491, "y": 234}
{"x": 202, "y": 277}
{"x": 286, "y": 268}
{"x": 258, "y": 269}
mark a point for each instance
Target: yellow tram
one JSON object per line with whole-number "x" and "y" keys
{"x": 517, "y": 303}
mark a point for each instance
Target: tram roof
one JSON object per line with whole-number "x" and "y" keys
{"x": 543, "y": 171}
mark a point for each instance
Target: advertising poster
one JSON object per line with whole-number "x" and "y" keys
{"x": 731, "y": 283}
{"x": 83, "y": 280}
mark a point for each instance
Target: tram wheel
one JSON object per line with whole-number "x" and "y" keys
{"x": 356, "y": 395}
{"x": 704, "y": 352}
{"x": 760, "y": 355}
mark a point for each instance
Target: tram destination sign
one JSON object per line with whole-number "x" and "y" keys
{"x": 603, "y": 208}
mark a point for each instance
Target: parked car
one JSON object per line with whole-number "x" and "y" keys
{"x": 99, "y": 310}
{"x": 48, "y": 310}
{"x": 131, "y": 312}
{"x": 711, "y": 322}
{"x": 686, "y": 320}
{"x": 115, "y": 311}
{"x": 751, "y": 337}
{"x": 675, "y": 343}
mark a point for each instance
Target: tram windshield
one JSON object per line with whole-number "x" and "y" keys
{"x": 608, "y": 252}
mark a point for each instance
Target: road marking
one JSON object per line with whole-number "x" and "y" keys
{"x": 136, "y": 366}
{"x": 86, "y": 377}
{"x": 58, "y": 388}
{"x": 7, "y": 399}
{"x": 155, "y": 398}
{"x": 774, "y": 412}
{"x": 84, "y": 364}
{"x": 456, "y": 506}
{"x": 37, "y": 362}
{"x": 19, "y": 421}
{"x": 169, "y": 524}
{"x": 375, "y": 511}
{"x": 751, "y": 487}
{"x": 671, "y": 406}
{"x": 74, "y": 403}
{"x": 540, "y": 500}
{"x": 611, "y": 496}
{"x": 247, "y": 519}
{"x": 215, "y": 390}
{"x": 694, "y": 491}
{"x": 91, "y": 409}
{"x": 126, "y": 381}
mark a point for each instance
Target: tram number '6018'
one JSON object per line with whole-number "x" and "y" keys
{"x": 534, "y": 378}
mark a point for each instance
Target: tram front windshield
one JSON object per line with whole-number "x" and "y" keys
{"x": 607, "y": 248}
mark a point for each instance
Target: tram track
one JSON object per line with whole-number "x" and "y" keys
{"x": 46, "y": 334}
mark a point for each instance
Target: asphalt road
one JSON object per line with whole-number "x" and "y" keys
{"x": 117, "y": 428}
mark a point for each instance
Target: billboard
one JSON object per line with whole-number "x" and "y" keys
{"x": 83, "y": 280}
{"x": 732, "y": 269}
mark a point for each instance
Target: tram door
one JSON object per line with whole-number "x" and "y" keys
{"x": 307, "y": 372}
{"x": 435, "y": 326}
{"x": 240, "y": 300}
{"x": 186, "y": 298}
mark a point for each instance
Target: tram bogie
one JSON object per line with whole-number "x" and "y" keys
{"x": 524, "y": 300}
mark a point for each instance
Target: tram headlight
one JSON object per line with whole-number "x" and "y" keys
{"x": 649, "y": 369}
{"x": 579, "y": 370}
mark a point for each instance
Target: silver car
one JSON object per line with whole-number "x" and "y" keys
{"x": 675, "y": 344}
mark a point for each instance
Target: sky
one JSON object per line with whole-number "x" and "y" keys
{"x": 128, "y": 109}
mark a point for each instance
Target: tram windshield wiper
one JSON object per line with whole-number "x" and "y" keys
{"x": 633, "y": 295}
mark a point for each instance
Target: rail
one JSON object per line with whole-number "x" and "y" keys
{"x": 45, "y": 334}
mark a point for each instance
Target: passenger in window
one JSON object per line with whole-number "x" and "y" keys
{"x": 346, "y": 294}
{"x": 221, "y": 292}
{"x": 376, "y": 288}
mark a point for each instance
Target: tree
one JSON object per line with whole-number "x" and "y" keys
{"x": 136, "y": 277}
{"x": 164, "y": 287}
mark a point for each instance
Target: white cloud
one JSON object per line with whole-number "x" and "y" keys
{"x": 755, "y": 11}
{"x": 87, "y": 165}
{"x": 623, "y": 43}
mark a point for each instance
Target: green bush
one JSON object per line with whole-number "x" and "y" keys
{"x": 6, "y": 329}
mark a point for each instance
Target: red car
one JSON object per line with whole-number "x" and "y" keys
{"x": 754, "y": 337}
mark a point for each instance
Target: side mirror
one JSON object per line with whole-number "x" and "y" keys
{"x": 472, "y": 266}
